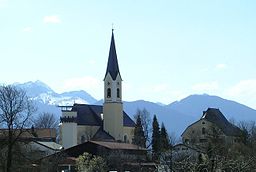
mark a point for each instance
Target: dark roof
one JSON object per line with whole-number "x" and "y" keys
{"x": 215, "y": 116}
{"x": 112, "y": 67}
{"x": 133, "y": 154}
{"x": 88, "y": 114}
{"x": 118, "y": 145}
{"x": 102, "y": 148}
{"x": 101, "y": 135}
{"x": 29, "y": 134}
{"x": 91, "y": 115}
{"x": 99, "y": 147}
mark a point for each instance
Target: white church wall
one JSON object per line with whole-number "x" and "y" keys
{"x": 85, "y": 133}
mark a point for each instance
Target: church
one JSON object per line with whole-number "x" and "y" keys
{"x": 82, "y": 122}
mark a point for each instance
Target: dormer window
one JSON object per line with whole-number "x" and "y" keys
{"x": 108, "y": 93}
{"x": 118, "y": 93}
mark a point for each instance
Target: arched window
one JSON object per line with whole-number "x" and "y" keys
{"x": 203, "y": 130}
{"x": 118, "y": 93}
{"x": 125, "y": 138}
{"x": 108, "y": 93}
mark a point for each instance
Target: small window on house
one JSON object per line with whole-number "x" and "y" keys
{"x": 203, "y": 130}
{"x": 125, "y": 138}
{"x": 108, "y": 93}
{"x": 203, "y": 122}
{"x": 118, "y": 93}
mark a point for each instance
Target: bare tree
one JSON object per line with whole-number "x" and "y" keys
{"x": 174, "y": 139}
{"x": 53, "y": 162}
{"x": 146, "y": 124}
{"x": 15, "y": 113}
{"x": 46, "y": 120}
{"x": 248, "y": 132}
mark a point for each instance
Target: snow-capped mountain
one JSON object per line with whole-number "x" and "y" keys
{"x": 36, "y": 88}
{"x": 176, "y": 116}
{"x": 42, "y": 93}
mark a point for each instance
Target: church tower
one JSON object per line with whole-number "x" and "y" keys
{"x": 113, "y": 105}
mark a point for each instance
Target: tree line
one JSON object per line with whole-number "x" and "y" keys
{"x": 159, "y": 141}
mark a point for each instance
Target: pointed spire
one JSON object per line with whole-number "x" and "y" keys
{"x": 112, "y": 67}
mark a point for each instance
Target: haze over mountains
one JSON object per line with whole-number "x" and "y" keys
{"x": 176, "y": 116}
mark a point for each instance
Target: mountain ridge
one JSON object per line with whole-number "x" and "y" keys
{"x": 176, "y": 115}
{"x": 230, "y": 108}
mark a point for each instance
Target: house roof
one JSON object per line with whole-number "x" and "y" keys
{"x": 51, "y": 145}
{"x": 112, "y": 67}
{"x": 45, "y": 132}
{"x": 32, "y": 133}
{"x": 118, "y": 145}
{"x": 91, "y": 115}
{"x": 98, "y": 147}
{"x": 215, "y": 116}
{"x": 101, "y": 135}
{"x": 188, "y": 146}
{"x": 88, "y": 114}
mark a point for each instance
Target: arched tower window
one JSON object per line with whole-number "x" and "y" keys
{"x": 118, "y": 93}
{"x": 125, "y": 139}
{"x": 203, "y": 130}
{"x": 108, "y": 93}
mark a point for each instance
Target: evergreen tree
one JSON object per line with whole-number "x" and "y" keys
{"x": 146, "y": 123}
{"x": 165, "y": 141}
{"x": 139, "y": 135}
{"x": 155, "y": 140}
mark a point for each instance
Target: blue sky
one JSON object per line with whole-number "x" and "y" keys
{"x": 167, "y": 50}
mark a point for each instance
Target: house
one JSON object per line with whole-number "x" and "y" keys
{"x": 32, "y": 151}
{"x": 119, "y": 155}
{"x": 31, "y": 145}
{"x": 83, "y": 122}
{"x": 212, "y": 125}
{"x": 181, "y": 151}
{"x": 39, "y": 134}
{"x": 43, "y": 148}
{"x": 172, "y": 159}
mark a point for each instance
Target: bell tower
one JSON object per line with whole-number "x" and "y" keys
{"x": 113, "y": 105}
